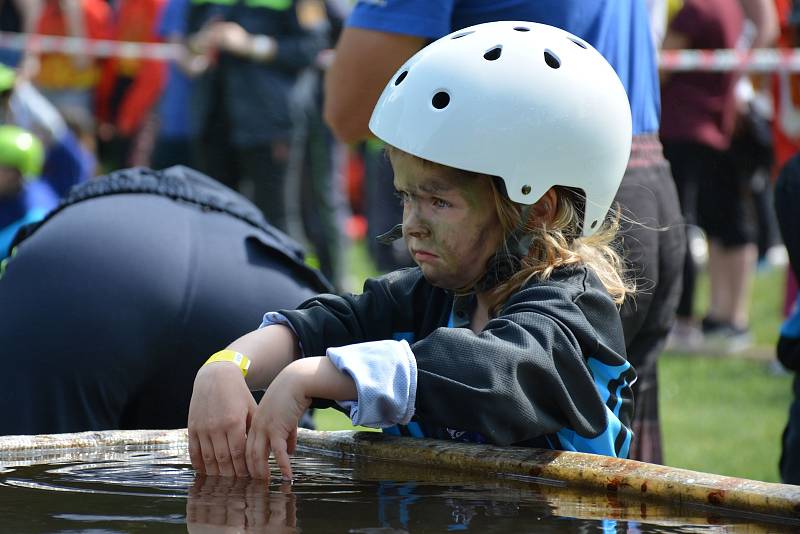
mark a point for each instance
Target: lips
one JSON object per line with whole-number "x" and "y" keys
{"x": 420, "y": 254}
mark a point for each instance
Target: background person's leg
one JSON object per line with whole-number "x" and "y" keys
{"x": 264, "y": 168}
{"x": 727, "y": 213}
{"x": 687, "y": 169}
{"x": 654, "y": 246}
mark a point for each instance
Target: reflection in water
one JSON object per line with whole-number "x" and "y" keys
{"x": 129, "y": 490}
{"x": 245, "y": 504}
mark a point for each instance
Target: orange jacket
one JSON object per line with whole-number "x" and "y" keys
{"x": 136, "y": 21}
{"x": 58, "y": 71}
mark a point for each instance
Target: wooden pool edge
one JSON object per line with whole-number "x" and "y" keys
{"x": 623, "y": 477}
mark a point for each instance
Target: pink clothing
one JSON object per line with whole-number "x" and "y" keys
{"x": 699, "y": 106}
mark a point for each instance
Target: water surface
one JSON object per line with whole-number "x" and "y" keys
{"x": 134, "y": 489}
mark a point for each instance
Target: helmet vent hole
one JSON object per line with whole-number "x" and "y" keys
{"x": 594, "y": 223}
{"x": 400, "y": 78}
{"x": 493, "y": 54}
{"x": 521, "y": 29}
{"x": 440, "y": 100}
{"x": 551, "y": 59}
{"x": 579, "y": 43}
{"x": 462, "y": 34}
{"x": 526, "y": 189}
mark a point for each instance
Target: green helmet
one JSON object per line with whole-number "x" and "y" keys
{"x": 7, "y": 78}
{"x": 21, "y": 150}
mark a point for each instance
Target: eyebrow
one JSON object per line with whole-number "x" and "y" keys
{"x": 436, "y": 186}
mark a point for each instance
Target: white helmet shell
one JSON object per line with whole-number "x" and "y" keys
{"x": 530, "y": 103}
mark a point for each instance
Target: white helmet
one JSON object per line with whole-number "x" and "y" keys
{"x": 528, "y": 102}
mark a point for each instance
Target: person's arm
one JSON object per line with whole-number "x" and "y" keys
{"x": 222, "y": 405}
{"x": 363, "y": 63}
{"x": 76, "y": 27}
{"x": 673, "y": 40}
{"x": 29, "y": 10}
{"x": 146, "y": 89}
{"x": 291, "y": 52}
{"x": 764, "y": 16}
{"x": 274, "y": 424}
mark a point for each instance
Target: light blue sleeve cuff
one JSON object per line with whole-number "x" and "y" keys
{"x": 385, "y": 373}
{"x": 271, "y": 318}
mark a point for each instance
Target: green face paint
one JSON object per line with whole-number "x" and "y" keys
{"x": 450, "y": 224}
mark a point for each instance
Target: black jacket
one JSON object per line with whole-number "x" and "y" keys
{"x": 252, "y": 97}
{"x": 549, "y": 370}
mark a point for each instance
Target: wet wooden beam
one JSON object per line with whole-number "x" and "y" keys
{"x": 611, "y": 476}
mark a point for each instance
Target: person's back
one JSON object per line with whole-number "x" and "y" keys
{"x": 618, "y": 30}
{"x": 117, "y": 298}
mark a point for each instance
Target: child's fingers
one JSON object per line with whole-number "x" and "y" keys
{"x": 279, "y": 450}
{"x": 258, "y": 454}
{"x": 249, "y": 457}
{"x": 195, "y": 455}
{"x": 291, "y": 441}
{"x": 222, "y": 454}
{"x": 237, "y": 446}
{"x": 207, "y": 453}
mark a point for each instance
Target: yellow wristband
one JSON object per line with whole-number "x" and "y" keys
{"x": 228, "y": 355}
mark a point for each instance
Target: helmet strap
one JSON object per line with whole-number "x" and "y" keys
{"x": 387, "y": 238}
{"x": 507, "y": 261}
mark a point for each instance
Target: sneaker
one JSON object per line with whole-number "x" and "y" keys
{"x": 684, "y": 337}
{"x": 723, "y": 337}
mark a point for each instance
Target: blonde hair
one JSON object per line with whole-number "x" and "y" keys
{"x": 555, "y": 244}
{"x": 559, "y": 243}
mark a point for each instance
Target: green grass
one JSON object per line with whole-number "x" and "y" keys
{"x": 330, "y": 419}
{"x": 766, "y": 304}
{"x": 720, "y": 414}
{"x": 725, "y": 414}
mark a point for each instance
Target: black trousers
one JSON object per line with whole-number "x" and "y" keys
{"x": 653, "y": 243}
{"x": 108, "y": 310}
{"x": 260, "y": 171}
{"x": 787, "y": 198}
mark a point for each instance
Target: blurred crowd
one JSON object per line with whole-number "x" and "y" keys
{"x": 233, "y": 103}
{"x": 227, "y": 107}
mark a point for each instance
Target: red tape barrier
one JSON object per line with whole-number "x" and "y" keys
{"x": 758, "y": 60}
{"x": 89, "y": 47}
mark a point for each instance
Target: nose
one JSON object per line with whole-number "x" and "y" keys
{"x": 414, "y": 224}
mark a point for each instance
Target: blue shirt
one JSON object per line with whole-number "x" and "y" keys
{"x": 67, "y": 163}
{"x": 173, "y": 108}
{"x": 31, "y": 205}
{"x": 618, "y": 29}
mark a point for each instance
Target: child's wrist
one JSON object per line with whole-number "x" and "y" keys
{"x": 319, "y": 378}
{"x": 300, "y": 373}
{"x": 230, "y": 357}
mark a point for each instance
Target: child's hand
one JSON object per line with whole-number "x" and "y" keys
{"x": 274, "y": 424}
{"x": 219, "y": 412}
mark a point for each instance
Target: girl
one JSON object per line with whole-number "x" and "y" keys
{"x": 509, "y": 141}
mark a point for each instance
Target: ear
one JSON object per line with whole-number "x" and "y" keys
{"x": 544, "y": 210}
